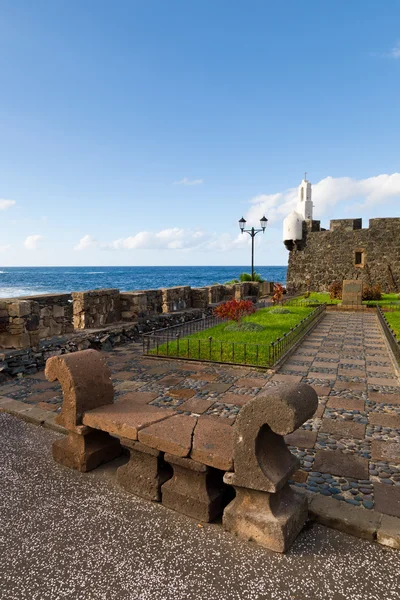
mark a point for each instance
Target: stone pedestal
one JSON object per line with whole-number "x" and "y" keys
{"x": 352, "y": 293}
{"x": 85, "y": 452}
{"x": 194, "y": 490}
{"x": 145, "y": 472}
{"x": 271, "y": 520}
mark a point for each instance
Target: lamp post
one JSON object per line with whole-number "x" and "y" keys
{"x": 252, "y": 233}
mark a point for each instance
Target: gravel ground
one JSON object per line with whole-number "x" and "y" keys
{"x": 67, "y": 535}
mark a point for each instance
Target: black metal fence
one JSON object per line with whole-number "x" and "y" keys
{"x": 394, "y": 343}
{"x": 171, "y": 343}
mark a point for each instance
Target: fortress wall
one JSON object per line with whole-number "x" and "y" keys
{"x": 325, "y": 256}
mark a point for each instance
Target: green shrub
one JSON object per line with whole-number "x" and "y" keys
{"x": 280, "y": 310}
{"x": 247, "y": 277}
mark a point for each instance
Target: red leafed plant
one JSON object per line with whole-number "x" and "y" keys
{"x": 279, "y": 290}
{"x": 235, "y": 310}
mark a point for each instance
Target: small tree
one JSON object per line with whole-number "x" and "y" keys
{"x": 335, "y": 290}
{"x": 235, "y": 310}
{"x": 372, "y": 292}
{"x": 279, "y": 290}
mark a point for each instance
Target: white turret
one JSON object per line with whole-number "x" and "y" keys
{"x": 293, "y": 224}
{"x": 304, "y": 202}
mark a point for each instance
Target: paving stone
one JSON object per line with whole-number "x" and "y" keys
{"x": 220, "y": 388}
{"x": 197, "y": 405}
{"x": 389, "y": 532}
{"x": 286, "y": 378}
{"x": 183, "y": 394}
{"x": 237, "y": 399}
{"x": 139, "y": 397}
{"x": 387, "y": 499}
{"x": 322, "y": 390}
{"x": 385, "y": 451}
{"x": 213, "y": 443}
{"x": 250, "y": 382}
{"x": 337, "y": 463}
{"x": 300, "y": 476}
{"x": 173, "y": 435}
{"x": 384, "y": 398}
{"x": 342, "y": 428}
{"x": 170, "y": 381}
{"x": 382, "y": 381}
{"x": 350, "y": 519}
{"x": 48, "y": 406}
{"x": 385, "y": 419}
{"x": 346, "y": 403}
{"x": 301, "y": 438}
{"x": 350, "y": 385}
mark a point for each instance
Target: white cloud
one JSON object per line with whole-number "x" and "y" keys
{"x": 32, "y": 242}
{"x": 87, "y": 241}
{"x": 5, "y": 248}
{"x": 186, "y": 181}
{"x": 395, "y": 51}
{"x": 4, "y": 204}
{"x": 326, "y": 194}
{"x": 168, "y": 239}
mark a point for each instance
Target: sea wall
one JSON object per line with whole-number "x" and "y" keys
{"x": 24, "y": 322}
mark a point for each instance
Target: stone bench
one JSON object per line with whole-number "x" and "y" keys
{"x": 191, "y": 463}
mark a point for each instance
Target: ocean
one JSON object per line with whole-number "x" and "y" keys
{"x": 28, "y": 281}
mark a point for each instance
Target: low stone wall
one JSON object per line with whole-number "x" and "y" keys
{"x": 29, "y": 360}
{"x": 96, "y": 308}
{"x": 176, "y": 298}
{"x": 24, "y": 321}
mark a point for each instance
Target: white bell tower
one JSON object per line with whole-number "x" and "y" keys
{"x": 304, "y": 202}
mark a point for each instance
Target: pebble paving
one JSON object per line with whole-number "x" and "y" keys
{"x": 342, "y": 358}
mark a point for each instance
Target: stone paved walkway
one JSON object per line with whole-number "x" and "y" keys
{"x": 350, "y": 450}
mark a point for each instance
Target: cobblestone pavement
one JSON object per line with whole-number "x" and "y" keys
{"x": 349, "y": 450}
{"x": 72, "y": 536}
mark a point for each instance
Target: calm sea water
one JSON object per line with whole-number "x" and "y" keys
{"x": 26, "y": 281}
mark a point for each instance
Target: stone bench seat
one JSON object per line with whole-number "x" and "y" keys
{"x": 208, "y": 440}
{"x": 199, "y": 465}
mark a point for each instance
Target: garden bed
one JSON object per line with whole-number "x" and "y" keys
{"x": 223, "y": 343}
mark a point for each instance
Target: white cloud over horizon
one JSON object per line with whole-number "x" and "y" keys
{"x": 341, "y": 193}
{"x": 186, "y": 181}
{"x": 32, "y": 242}
{"x": 87, "y": 241}
{"x": 5, "y": 204}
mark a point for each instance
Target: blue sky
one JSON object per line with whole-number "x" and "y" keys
{"x": 139, "y": 132}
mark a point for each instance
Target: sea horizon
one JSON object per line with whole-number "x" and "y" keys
{"x": 31, "y": 281}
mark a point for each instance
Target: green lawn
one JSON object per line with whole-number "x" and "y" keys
{"x": 248, "y": 347}
{"x": 324, "y": 297}
{"x": 393, "y": 318}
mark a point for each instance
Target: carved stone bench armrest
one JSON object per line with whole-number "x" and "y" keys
{"x": 261, "y": 458}
{"x": 86, "y": 384}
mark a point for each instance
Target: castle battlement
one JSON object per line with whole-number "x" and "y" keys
{"x": 346, "y": 250}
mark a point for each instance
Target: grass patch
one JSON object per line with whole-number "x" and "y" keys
{"x": 237, "y": 345}
{"x": 321, "y": 297}
{"x": 393, "y": 318}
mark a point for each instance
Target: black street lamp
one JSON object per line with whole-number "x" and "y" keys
{"x": 252, "y": 233}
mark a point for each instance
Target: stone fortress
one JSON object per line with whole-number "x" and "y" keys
{"x": 318, "y": 257}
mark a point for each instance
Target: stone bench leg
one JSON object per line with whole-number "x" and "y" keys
{"x": 271, "y": 520}
{"x": 86, "y": 451}
{"x": 194, "y": 490}
{"x": 145, "y": 472}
